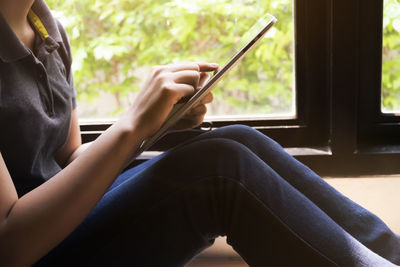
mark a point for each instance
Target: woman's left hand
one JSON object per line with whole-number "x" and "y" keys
{"x": 195, "y": 116}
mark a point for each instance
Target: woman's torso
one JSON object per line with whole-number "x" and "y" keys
{"x": 36, "y": 99}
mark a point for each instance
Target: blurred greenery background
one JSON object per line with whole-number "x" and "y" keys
{"x": 115, "y": 43}
{"x": 391, "y": 57}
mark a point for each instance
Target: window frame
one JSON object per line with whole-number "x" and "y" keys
{"x": 376, "y": 127}
{"x": 362, "y": 138}
{"x": 339, "y": 129}
{"x": 309, "y": 117}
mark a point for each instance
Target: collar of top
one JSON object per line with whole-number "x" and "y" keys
{"x": 11, "y": 48}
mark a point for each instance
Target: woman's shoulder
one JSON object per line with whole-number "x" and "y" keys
{"x": 65, "y": 42}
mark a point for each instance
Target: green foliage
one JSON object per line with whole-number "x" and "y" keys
{"x": 391, "y": 56}
{"x": 115, "y": 42}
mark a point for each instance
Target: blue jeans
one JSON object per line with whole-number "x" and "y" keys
{"x": 236, "y": 182}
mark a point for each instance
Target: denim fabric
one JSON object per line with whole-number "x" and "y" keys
{"x": 235, "y": 182}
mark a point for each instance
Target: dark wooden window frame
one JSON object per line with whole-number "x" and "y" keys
{"x": 339, "y": 128}
{"x": 376, "y": 128}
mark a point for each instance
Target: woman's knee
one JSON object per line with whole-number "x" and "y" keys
{"x": 211, "y": 157}
{"x": 245, "y": 135}
{"x": 237, "y": 131}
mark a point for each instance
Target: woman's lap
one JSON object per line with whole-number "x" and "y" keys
{"x": 169, "y": 208}
{"x": 360, "y": 223}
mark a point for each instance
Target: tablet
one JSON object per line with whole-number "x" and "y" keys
{"x": 245, "y": 44}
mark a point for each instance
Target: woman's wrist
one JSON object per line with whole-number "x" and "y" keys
{"x": 130, "y": 127}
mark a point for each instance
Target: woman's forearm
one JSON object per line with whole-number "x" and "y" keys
{"x": 79, "y": 151}
{"x": 42, "y": 218}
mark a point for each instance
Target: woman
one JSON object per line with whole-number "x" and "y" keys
{"x": 232, "y": 181}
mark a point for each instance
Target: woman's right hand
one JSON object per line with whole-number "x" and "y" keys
{"x": 165, "y": 86}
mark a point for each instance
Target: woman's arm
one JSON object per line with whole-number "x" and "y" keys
{"x": 41, "y": 219}
{"x": 38, "y": 221}
{"x": 73, "y": 145}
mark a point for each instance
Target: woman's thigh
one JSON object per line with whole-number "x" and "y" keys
{"x": 164, "y": 213}
{"x": 359, "y": 222}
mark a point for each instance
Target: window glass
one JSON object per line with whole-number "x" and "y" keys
{"x": 391, "y": 57}
{"x": 115, "y": 43}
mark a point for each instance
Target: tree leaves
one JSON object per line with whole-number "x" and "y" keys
{"x": 114, "y": 42}
{"x": 391, "y": 57}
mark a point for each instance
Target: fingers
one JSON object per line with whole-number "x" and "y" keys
{"x": 187, "y": 77}
{"x": 166, "y": 86}
{"x": 204, "y": 77}
{"x": 208, "y": 98}
{"x": 183, "y": 66}
{"x": 180, "y": 81}
{"x": 199, "y": 110}
{"x": 181, "y": 88}
{"x": 196, "y": 66}
{"x": 206, "y": 67}
{"x": 193, "y": 118}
